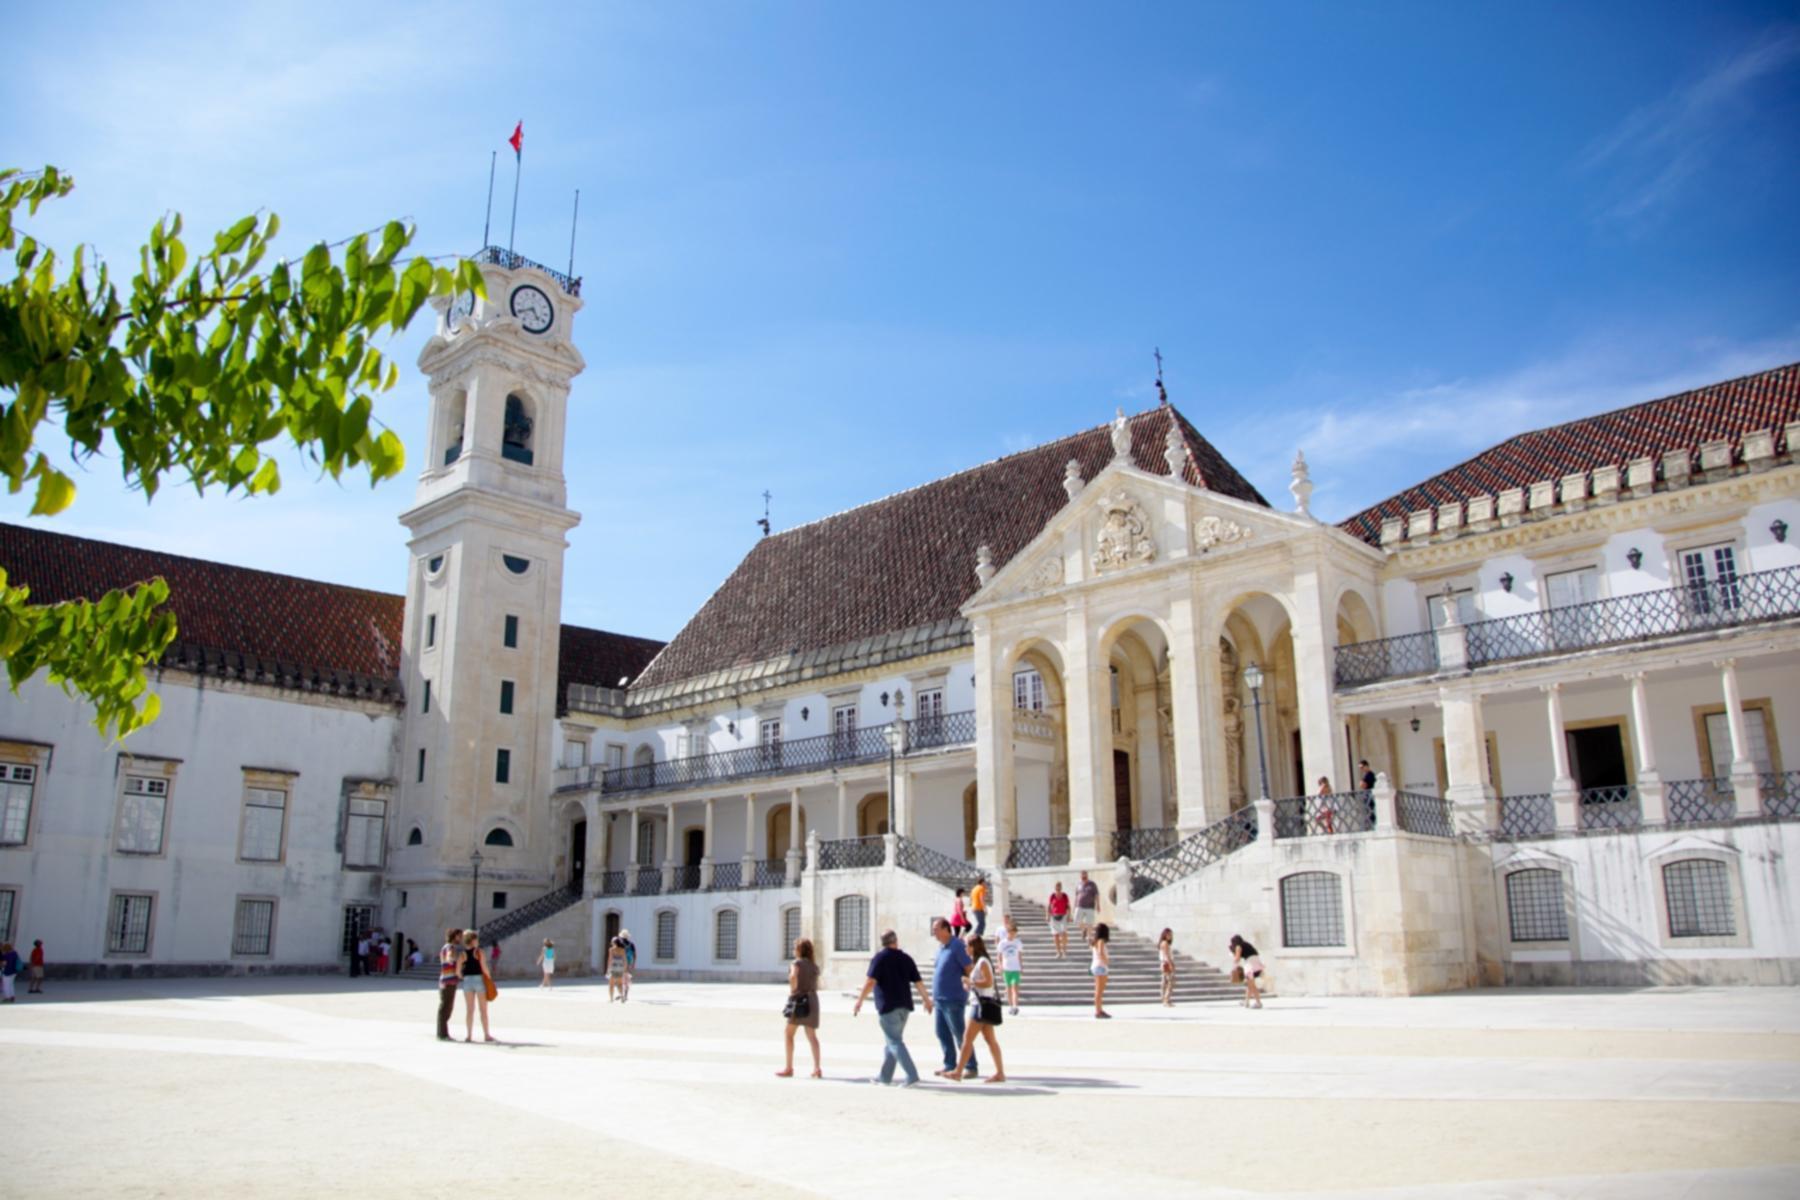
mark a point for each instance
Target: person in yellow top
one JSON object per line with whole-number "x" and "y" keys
{"x": 978, "y": 904}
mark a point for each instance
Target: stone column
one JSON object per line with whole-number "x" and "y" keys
{"x": 1321, "y": 751}
{"x": 843, "y": 810}
{"x": 794, "y": 859}
{"x": 596, "y": 839}
{"x": 1469, "y": 788}
{"x": 995, "y": 818}
{"x": 1563, "y": 793}
{"x": 631, "y": 850}
{"x": 1652, "y": 802}
{"x": 1191, "y": 716}
{"x": 1087, "y": 707}
{"x": 1744, "y": 781}
{"x": 668, "y": 872}
{"x": 706, "y": 851}
{"x": 905, "y": 819}
{"x": 748, "y": 867}
{"x": 1265, "y": 821}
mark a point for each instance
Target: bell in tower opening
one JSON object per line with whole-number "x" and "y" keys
{"x": 515, "y": 437}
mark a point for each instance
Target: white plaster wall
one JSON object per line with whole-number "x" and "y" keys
{"x": 898, "y": 900}
{"x": 68, "y": 871}
{"x": 938, "y": 818}
{"x": 760, "y": 954}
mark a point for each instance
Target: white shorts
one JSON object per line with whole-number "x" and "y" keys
{"x": 1059, "y": 924}
{"x": 1084, "y": 916}
{"x": 549, "y": 968}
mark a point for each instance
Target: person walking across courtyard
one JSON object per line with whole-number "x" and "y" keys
{"x": 36, "y": 966}
{"x": 1059, "y": 920}
{"x": 1012, "y": 954}
{"x": 547, "y": 964}
{"x": 449, "y": 980}
{"x": 893, "y": 977}
{"x": 1087, "y": 905}
{"x": 475, "y": 984}
{"x": 630, "y": 964}
{"x": 615, "y": 970}
{"x": 984, "y": 1012}
{"x": 803, "y": 1006}
{"x": 978, "y": 905}
{"x": 1165, "y": 956}
{"x": 1247, "y": 968}
{"x": 9, "y": 970}
{"x": 1099, "y": 968}
{"x": 950, "y": 994}
{"x": 959, "y": 916}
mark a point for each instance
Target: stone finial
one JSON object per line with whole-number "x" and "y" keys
{"x": 1301, "y": 485}
{"x": 1072, "y": 481}
{"x": 1174, "y": 451}
{"x": 1121, "y": 436}
{"x": 984, "y": 563}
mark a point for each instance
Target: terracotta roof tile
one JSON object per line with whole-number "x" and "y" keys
{"x": 1768, "y": 400}
{"x": 598, "y": 658}
{"x": 907, "y": 560}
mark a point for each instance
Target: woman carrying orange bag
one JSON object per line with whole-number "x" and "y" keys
{"x": 477, "y": 987}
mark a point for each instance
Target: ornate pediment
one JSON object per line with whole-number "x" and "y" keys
{"x": 1124, "y": 539}
{"x": 1214, "y": 531}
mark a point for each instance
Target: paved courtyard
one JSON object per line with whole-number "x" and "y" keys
{"x": 289, "y": 1086}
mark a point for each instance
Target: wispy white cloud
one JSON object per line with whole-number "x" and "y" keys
{"x": 1656, "y": 150}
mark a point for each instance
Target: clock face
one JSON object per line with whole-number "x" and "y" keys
{"x": 532, "y": 307}
{"x": 462, "y": 309}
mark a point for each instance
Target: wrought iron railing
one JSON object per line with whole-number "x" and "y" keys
{"x": 1780, "y": 793}
{"x": 939, "y": 868}
{"x": 769, "y": 873}
{"x": 1610, "y": 808}
{"x": 1191, "y": 853}
{"x": 646, "y": 881}
{"x": 1735, "y": 600}
{"x": 1387, "y": 658}
{"x": 614, "y": 883}
{"x": 547, "y": 905}
{"x": 1323, "y": 816}
{"x": 1697, "y": 801}
{"x": 851, "y": 854}
{"x": 684, "y": 879}
{"x": 727, "y": 876}
{"x": 950, "y": 729}
{"x": 1142, "y": 843}
{"x": 1527, "y": 815}
{"x": 1025, "y": 853}
{"x": 512, "y": 262}
{"x": 1417, "y": 812}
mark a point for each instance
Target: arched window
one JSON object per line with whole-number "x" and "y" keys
{"x": 1534, "y": 905}
{"x": 515, "y": 435}
{"x": 665, "y": 935}
{"x": 1312, "y": 910}
{"x": 852, "y": 923}
{"x": 416, "y": 837}
{"x": 725, "y": 935}
{"x": 1699, "y": 898}
{"x": 498, "y": 837}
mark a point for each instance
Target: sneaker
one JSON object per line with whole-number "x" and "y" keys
{"x": 910, "y": 1083}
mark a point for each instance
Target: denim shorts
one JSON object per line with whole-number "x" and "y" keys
{"x": 472, "y": 983}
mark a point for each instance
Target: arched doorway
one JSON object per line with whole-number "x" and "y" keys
{"x": 1142, "y": 767}
{"x": 1039, "y": 766}
{"x": 971, "y": 815}
{"x": 1257, "y": 631}
{"x": 779, "y": 822}
{"x": 872, "y": 815}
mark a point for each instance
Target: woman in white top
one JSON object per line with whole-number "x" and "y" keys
{"x": 1012, "y": 950}
{"x": 982, "y": 1003}
{"x": 547, "y": 964}
{"x": 1165, "y": 953}
{"x": 1099, "y": 967}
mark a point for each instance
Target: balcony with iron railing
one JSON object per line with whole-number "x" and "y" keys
{"x": 502, "y": 257}
{"x": 1726, "y": 603}
{"x": 868, "y": 744}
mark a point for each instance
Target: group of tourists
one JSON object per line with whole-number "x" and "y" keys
{"x": 963, "y": 999}
{"x": 621, "y": 962}
{"x": 463, "y": 967}
{"x": 378, "y": 954}
{"x": 11, "y": 966}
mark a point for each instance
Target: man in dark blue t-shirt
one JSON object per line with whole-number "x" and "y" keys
{"x": 890, "y": 972}
{"x": 950, "y": 994}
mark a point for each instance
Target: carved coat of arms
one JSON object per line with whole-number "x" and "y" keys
{"x": 1124, "y": 537}
{"x": 1217, "y": 531}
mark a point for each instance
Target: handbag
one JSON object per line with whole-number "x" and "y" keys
{"x": 798, "y": 1006}
{"x": 1237, "y": 974}
{"x": 988, "y": 1010}
{"x": 487, "y": 981}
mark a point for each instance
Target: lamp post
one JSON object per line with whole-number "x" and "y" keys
{"x": 474, "y": 884}
{"x": 893, "y": 741}
{"x": 1253, "y": 677}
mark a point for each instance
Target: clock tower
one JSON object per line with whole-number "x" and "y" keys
{"x": 484, "y": 603}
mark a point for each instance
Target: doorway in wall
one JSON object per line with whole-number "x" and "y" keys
{"x": 611, "y": 927}
{"x": 695, "y": 845}
{"x": 358, "y": 920}
{"x": 577, "y": 852}
{"x": 1122, "y": 791}
{"x": 1597, "y": 755}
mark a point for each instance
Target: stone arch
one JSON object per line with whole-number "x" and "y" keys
{"x": 1136, "y": 784}
{"x": 777, "y": 823}
{"x": 1355, "y": 617}
{"x": 1257, "y": 628}
{"x": 518, "y": 428}
{"x": 872, "y": 815}
{"x": 1037, "y": 750}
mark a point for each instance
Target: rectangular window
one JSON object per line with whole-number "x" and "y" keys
{"x": 1710, "y": 575}
{"x": 851, "y": 927}
{"x": 503, "y": 766}
{"x": 929, "y": 704}
{"x": 253, "y": 932}
{"x": 790, "y": 930}
{"x": 725, "y": 935}
{"x": 142, "y": 810}
{"x": 1312, "y": 910}
{"x": 430, "y": 630}
{"x": 9, "y": 904}
{"x": 843, "y": 720}
{"x": 363, "y": 832}
{"x": 615, "y": 756}
{"x": 665, "y": 936}
{"x": 1699, "y": 896}
{"x": 1466, "y": 612}
{"x": 16, "y": 784}
{"x": 506, "y": 697}
{"x": 1028, "y": 691}
{"x": 421, "y": 764}
{"x": 1565, "y": 589}
{"x": 511, "y": 638}
{"x": 265, "y": 819}
{"x": 499, "y": 901}
{"x": 1756, "y": 731}
{"x": 128, "y": 924}
{"x": 425, "y": 707}
{"x": 768, "y": 741}
{"x": 1534, "y": 906}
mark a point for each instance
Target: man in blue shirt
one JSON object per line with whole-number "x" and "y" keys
{"x": 890, "y": 971}
{"x": 950, "y": 995}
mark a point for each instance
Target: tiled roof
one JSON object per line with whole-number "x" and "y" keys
{"x": 1768, "y": 400}
{"x": 908, "y": 561}
{"x": 270, "y": 628}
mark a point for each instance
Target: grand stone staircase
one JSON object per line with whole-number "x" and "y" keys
{"x": 1134, "y": 977}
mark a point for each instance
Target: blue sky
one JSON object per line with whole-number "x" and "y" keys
{"x": 837, "y": 250}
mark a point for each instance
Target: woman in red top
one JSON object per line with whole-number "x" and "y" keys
{"x": 37, "y": 966}
{"x": 1059, "y": 919}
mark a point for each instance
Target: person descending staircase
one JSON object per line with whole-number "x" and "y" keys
{"x": 1135, "y": 977}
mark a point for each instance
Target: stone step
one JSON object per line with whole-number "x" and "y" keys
{"x": 1135, "y": 967}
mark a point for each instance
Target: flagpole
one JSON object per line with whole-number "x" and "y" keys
{"x": 488, "y": 220}
{"x": 573, "y": 221}
{"x": 518, "y": 168}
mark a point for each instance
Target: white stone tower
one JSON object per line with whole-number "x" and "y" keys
{"x": 484, "y": 604}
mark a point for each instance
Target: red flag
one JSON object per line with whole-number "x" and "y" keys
{"x": 517, "y": 140}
